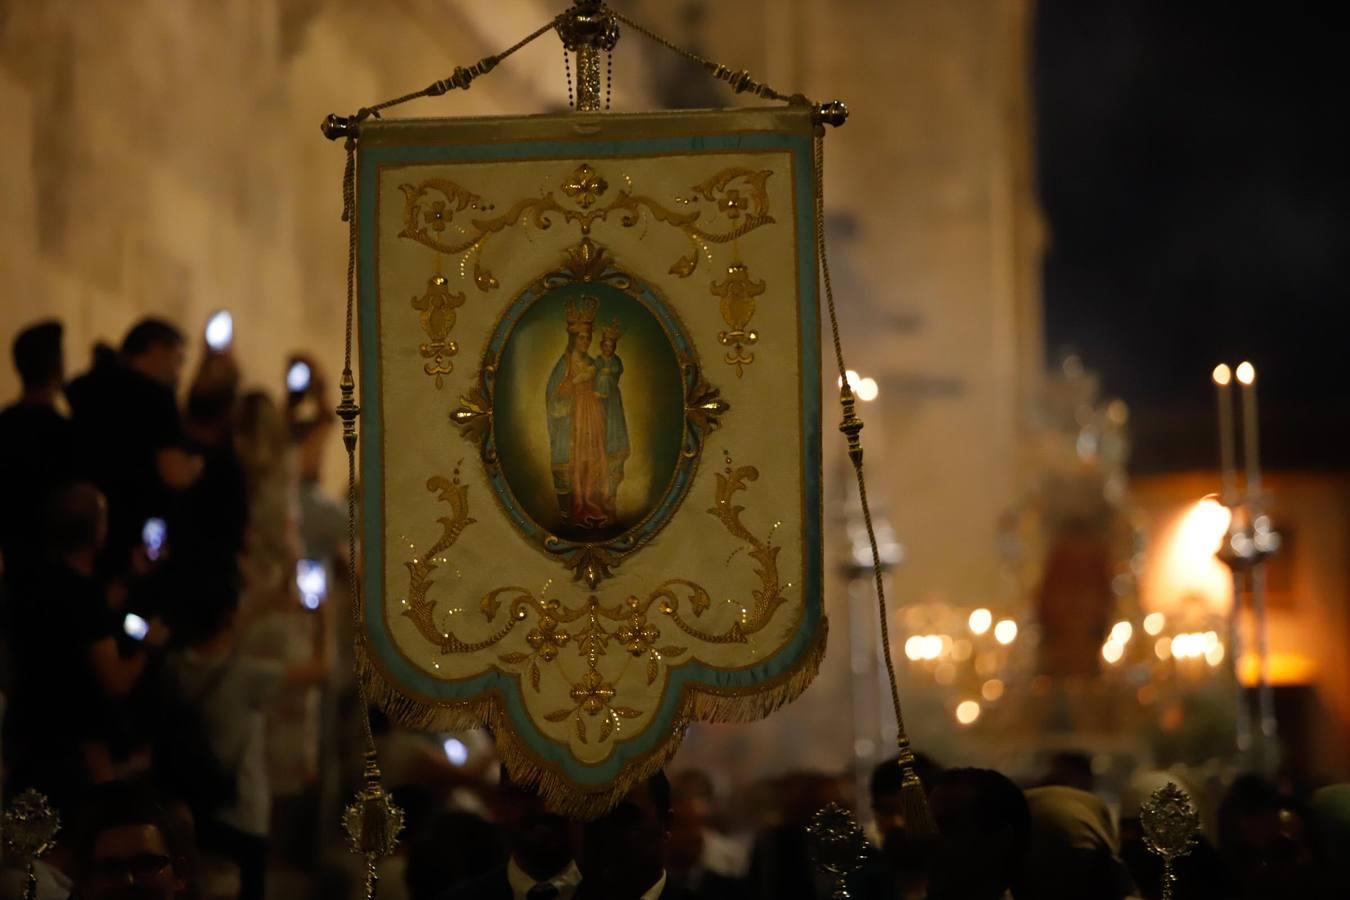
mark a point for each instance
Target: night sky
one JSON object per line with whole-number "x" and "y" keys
{"x": 1193, "y": 165}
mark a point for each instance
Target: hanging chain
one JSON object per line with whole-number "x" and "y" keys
{"x": 609, "y": 76}
{"x": 335, "y": 126}
{"x": 567, "y": 69}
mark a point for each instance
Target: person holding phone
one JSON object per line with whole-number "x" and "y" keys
{"x": 284, "y": 602}
{"x": 130, "y": 433}
{"x": 236, "y": 690}
{"x": 74, "y": 670}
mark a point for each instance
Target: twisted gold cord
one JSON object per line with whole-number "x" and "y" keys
{"x": 918, "y": 819}
{"x": 740, "y": 81}
{"x": 462, "y": 77}
{"x": 348, "y": 411}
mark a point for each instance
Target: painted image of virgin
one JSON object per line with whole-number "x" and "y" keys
{"x": 576, "y": 426}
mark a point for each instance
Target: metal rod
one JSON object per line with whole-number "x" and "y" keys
{"x": 589, "y": 98}
{"x": 1265, "y": 694}
{"x": 1242, "y": 714}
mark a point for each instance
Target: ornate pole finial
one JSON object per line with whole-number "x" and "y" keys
{"x": 1171, "y": 827}
{"x": 373, "y": 823}
{"x": 838, "y": 846}
{"x": 30, "y": 829}
{"x": 348, "y": 410}
{"x": 834, "y": 113}
{"x": 587, "y": 29}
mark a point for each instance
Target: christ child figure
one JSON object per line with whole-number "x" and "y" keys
{"x": 609, "y": 369}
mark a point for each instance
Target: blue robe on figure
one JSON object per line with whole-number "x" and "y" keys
{"x": 559, "y": 433}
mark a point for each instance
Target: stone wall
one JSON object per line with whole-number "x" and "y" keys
{"x": 164, "y": 156}
{"x": 935, "y": 241}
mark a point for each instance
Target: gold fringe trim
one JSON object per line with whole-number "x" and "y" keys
{"x": 561, "y": 794}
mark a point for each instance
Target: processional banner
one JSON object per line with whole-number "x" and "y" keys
{"x": 590, "y": 443}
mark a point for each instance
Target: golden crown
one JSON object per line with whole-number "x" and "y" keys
{"x": 581, "y": 312}
{"x": 611, "y": 331}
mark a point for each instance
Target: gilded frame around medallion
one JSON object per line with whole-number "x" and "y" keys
{"x": 590, "y": 264}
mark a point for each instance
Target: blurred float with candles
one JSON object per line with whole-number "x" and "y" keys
{"x": 1123, "y": 638}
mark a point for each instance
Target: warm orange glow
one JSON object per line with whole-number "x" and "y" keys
{"x": 1182, "y": 567}
{"x": 1197, "y": 644}
{"x": 980, "y": 620}
{"x": 1222, "y": 374}
{"x": 1282, "y": 669}
{"x": 1005, "y": 632}
{"x": 914, "y": 647}
{"x": 1246, "y": 373}
{"x": 992, "y": 690}
{"x": 967, "y": 711}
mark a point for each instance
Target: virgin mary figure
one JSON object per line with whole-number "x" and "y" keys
{"x": 576, "y": 425}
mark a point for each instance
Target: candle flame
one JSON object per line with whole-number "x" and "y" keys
{"x": 1222, "y": 374}
{"x": 1246, "y": 373}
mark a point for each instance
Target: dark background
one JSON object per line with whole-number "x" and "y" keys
{"x": 1192, "y": 162}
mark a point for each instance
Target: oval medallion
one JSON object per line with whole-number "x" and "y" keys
{"x": 596, "y": 414}
{"x": 588, "y": 412}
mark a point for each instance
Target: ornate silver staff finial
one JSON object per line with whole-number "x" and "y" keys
{"x": 838, "y": 846}
{"x": 1170, "y": 828}
{"x": 31, "y": 826}
{"x": 372, "y": 823}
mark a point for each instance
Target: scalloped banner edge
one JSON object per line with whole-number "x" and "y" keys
{"x": 562, "y": 795}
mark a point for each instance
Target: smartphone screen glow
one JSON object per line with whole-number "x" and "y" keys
{"x": 456, "y": 753}
{"x": 298, "y": 377}
{"x": 153, "y": 533}
{"x": 220, "y": 330}
{"x": 312, "y": 580}
{"x": 135, "y": 627}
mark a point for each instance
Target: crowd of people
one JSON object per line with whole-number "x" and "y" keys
{"x": 174, "y": 681}
{"x": 166, "y": 609}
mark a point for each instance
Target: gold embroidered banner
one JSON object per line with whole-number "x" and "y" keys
{"x": 590, "y": 455}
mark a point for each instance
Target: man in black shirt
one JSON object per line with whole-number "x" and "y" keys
{"x": 71, "y": 676}
{"x": 131, "y": 436}
{"x": 37, "y": 444}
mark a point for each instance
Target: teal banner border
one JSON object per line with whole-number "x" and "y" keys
{"x": 691, "y": 674}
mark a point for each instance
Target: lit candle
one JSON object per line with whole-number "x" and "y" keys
{"x": 1223, "y": 384}
{"x": 1246, "y": 376}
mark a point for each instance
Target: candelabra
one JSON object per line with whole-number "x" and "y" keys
{"x": 1249, "y": 543}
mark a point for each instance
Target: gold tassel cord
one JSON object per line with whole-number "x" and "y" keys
{"x": 914, "y": 802}
{"x": 372, "y": 821}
